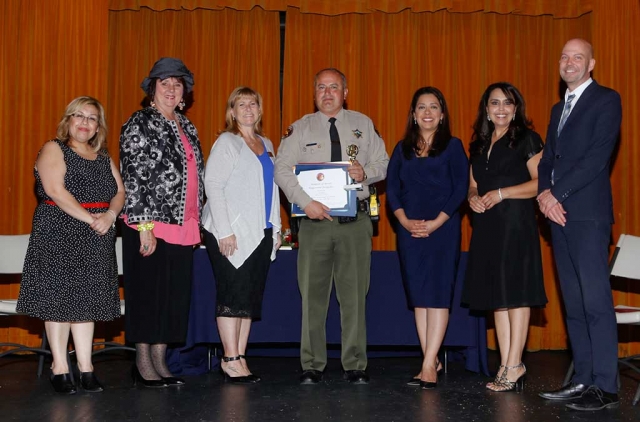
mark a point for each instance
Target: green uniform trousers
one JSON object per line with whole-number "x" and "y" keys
{"x": 329, "y": 252}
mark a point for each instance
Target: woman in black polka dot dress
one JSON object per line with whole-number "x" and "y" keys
{"x": 70, "y": 276}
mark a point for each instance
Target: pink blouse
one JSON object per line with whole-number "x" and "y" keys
{"x": 189, "y": 232}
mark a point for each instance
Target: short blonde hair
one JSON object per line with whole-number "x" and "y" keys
{"x": 99, "y": 140}
{"x": 240, "y": 92}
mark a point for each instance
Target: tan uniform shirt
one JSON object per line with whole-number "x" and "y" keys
{"x": 308, "y": 142}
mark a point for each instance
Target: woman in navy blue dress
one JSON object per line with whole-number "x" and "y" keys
{"x": 427, "y": 181}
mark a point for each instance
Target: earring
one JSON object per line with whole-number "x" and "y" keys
{"x": 415, "y": 122}
{"x": 488, "y": 118}
{"x": 153, "y": 104}
{"x": 514, "y": 118}
{"x": 181, "y": 105}
{"x": 440, "y": 121}
{"x": 233, "y": 117}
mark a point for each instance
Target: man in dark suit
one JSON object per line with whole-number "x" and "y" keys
{"x": 575, "y": 194}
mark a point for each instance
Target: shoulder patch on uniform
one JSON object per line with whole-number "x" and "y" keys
{"x": 287, "y": 132}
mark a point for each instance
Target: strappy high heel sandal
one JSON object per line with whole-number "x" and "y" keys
{"x": 244, "y": 379}
{"x": 505, "y": 385}
{"x": 490, "y": 384}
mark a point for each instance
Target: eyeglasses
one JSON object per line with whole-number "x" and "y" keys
{"x": 92, "y": 120}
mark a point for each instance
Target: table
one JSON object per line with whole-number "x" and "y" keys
{"x": 389, "y": 320}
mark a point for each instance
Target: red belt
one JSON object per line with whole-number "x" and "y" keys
{"x": 83, "y": 204}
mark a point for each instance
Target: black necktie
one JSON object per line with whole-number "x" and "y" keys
{"x": 336, "y": 154}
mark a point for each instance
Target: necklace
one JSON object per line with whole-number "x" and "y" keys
{"x": 423, "y": 147}
{"x": 422, "y": 142}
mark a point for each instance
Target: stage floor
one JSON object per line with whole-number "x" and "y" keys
{"x": 460, "y": 395}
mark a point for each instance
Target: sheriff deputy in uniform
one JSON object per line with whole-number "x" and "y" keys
{"x": 332, "y": 248}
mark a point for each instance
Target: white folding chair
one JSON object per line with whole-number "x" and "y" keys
{"x": 624, "y": 263}
{"x": 13, "y": 249}
{"x": 112, "y": 345}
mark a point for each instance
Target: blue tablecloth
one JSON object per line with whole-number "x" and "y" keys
{"x": 389, "y": 321}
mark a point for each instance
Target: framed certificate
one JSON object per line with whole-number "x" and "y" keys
{"x": 326, "y": 183}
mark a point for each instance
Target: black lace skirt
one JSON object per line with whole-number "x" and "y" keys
{"x": 240, "y": 290}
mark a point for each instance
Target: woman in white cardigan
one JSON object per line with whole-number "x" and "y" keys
{"x": 242, "y": 225}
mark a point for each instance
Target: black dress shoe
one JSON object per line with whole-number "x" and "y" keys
{"x": 356, "y": 376}
{"x": 173, "y": 381}
{"x": 595, "y": 399}
{"x": 138, "y": 379}
{"x": 62, "y": 384}
{"x": 310, "y": 376}
{"x": 89, "y": 382}
{"x": 569, "y": 392}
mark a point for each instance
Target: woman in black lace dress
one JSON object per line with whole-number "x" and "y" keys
{"x": 70, "y": 276}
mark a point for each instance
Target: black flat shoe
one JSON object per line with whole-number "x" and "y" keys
{"x": 62, "y": 384}
{"x": 89, "y": 382}
{"x": 173, "y": 381}
{"x": 138, "y": 379}
{"x": 415, "y": 381}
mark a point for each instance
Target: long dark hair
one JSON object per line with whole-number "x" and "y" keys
{"x": 412, "y": 133}
{"x": 483, "y": 128}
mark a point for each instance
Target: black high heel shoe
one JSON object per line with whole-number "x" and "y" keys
{"x": 62, "y": 383}
{"x": 137, "y": 378}
{"x": 504, "y": 384}
{"x": 257, "y": 378}
{"x": 174, "y": 381}
{"x": 245, "y": 379}
{"x": 428, "y": 385}
{"x": 89, "y": 382}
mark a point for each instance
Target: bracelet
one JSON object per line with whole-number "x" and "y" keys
{"x": 500, "y": 193}
{"x": 145, "y": 227}
{"x": 115, "y": 218}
